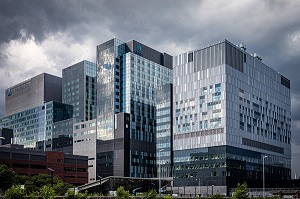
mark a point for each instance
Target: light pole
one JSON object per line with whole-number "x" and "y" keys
{"x": 100, "y": 187}
{"x": 199, "y": 185}
{"x": 134, "y": 191}
{"x": 52, "y": 171}
{"x": 212, "y": 190}
{"x": 263, "y": 159}
{"x": 159, "y": 179}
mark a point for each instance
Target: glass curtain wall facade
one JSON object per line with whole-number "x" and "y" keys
{"x": 164, "y": 130}
{"x": 79, "y": 89}
{"x": 141, "y": 79}
{"x": 230, "y": 110}
{"x": 62, "y": 136}
{"x": 33, "y": 126}
{"x": 108, "y": 103}
{"x": 128, "y": 76}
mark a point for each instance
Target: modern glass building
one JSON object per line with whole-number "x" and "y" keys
{"x": 128, "y": 76}
{"x": 164, "y": 130}
{"x": 79, "y": 89}
{"x": 62, "y": 136}
{"x": 231, "y": 113}
{"x": 33, "y": 126}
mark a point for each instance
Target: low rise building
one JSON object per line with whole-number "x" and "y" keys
{"x": 71, "y": 169}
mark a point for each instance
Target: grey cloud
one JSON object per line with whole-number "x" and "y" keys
{"x": 24, "y": 19}
{"x": 3, "y": 56}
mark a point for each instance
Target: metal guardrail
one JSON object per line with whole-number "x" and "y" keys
{"x": 270, "y": 189}
{"x": 103, "y": 180}
{"x": 274, "y": 189}
{"x": 93, "y": 184}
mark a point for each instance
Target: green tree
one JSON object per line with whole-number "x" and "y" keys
{"x": 32, "y": 195}
{"x": 60, "y": 187}
{"x": 151, "y": 194}
{"x": 46, "y": 192}
{"x": 20, "y": 179}
{"x": 34, "y": 184}
{"x": 122, "y": 194}
{"x": 167, "y": 196}
{"x": 15, "y": 192}
{"x": 82, "y": 195}
{"x": 217, "y": 196}
{"x": 7, "y": 176}
{"x": 70, "y": 194}
{"x": 241, "y": 191}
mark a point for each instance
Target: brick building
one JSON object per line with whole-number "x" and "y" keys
{"x": 71, "y": 169}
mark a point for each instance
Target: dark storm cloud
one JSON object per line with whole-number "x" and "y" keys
{"x": 23, "y": 19}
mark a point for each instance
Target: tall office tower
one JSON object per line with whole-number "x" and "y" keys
{"x": 164, "y": 126}
{"x": 32, "y": 92}
{"x": 232, "y": 116}
{"x": 33, "y": 126}
{"x": 79, "y": 89}
{"x": 127, "y": 79}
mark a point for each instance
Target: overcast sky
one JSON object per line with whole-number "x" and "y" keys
{"x": 45, "y": 36}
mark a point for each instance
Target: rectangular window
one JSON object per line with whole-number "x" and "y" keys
{"x": 190, "y": 57}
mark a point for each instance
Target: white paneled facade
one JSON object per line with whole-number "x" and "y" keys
{"x": 230, "y": 109}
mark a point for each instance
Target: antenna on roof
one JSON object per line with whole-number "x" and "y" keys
{"x": 257, "y": 56}
{"x": 243, "y": 47}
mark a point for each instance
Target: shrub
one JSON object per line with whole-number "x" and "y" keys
{"x": 70, "y": 194}
{"x": 151, "y": 194}
{"x": 241, "y": 191}
{"x": 167, "y": 196}
{"x": 122, "y": 194}
{"x": 217, "y": 196}
{"x": 46, "y": 192}
{"x": 15, "y": 192}
{"x": 7, "y": 176}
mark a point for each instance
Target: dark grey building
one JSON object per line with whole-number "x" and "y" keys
{"x": 62, "y": 136}
{"x": 128, "y": 76}
{"x": 79, "y": 89}
{"x": 6, "y": 136}
{"x": 32, "y": 93}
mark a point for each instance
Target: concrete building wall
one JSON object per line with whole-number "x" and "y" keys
{"x": 84, "y": 143}
{"x": 32, "y": 92}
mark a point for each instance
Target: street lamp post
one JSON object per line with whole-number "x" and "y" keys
{"x": 52, "y": 171}
{"x": 263, "y": 159}
{"x": 100, "y": 187}
{"x": 212, "y": 190}
{"x": 134, "y": 191}
{"x": 199, "y": 185}
{"x": 159, "y": 179}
